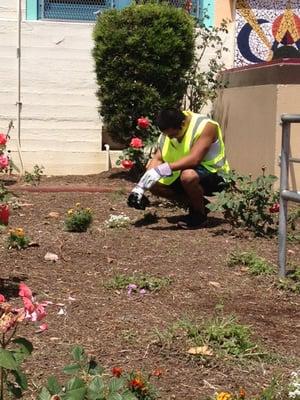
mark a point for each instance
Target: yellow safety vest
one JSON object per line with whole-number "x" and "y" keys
{"x": 172, "y": 150}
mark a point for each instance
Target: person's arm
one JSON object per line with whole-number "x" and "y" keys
{"x": 155, "y": 161}
{"x": 198, "y": 150}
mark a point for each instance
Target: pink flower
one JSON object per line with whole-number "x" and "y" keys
{"x": 143, "y": 123}
{"x": 2, "y": 298}
{"x": 131, "y": 287}
{"x": 24, "y": 291}
{"x": 136, "y": 143}
{"x": 42, "y": 328}
{"x": 127, "y": 164}
{"x": 3, "y": 161}
{"x": 3, "y": 139}
{"x": 28, "y": 305}
{"x": 40, "y": 312}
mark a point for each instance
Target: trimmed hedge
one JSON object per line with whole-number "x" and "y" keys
{"x": 142, "y": 54}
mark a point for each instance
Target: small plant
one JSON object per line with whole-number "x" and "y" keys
{"x": 275, "y": 391}
{"x": 78, "y": 219}
{"x": 117, "y": 221}
{"x": 90, "y": 382}
{"x": 17, "y": 239}
{"x": 6, "y": 163}
{"x": 292, "y": 281}
{"x": 255, "y": 265}
{"x": 294, "y": 386}
{"x": 138, "y": 282}
{"x": 247, "y": 203}
{"x": 14, "y": 350}
{"x": 204, "y": 83}
{"x": 34, "y": 177}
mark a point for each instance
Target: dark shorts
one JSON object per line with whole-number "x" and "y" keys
{"x": 209, "y": 181}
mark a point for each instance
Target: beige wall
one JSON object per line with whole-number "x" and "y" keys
{"x": 224, "y": 9}
{"x": 250, "y": 118}
{"x": 60, "y": 123}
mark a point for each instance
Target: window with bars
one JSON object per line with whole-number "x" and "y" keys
{"x": 87, "y": 10}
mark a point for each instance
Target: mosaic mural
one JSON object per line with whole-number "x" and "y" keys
{"x": 267, "y": 30}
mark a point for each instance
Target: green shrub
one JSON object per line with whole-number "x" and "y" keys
{"x": 78, "y": 219}
{"x": 142, "y": 54}
{"x": 248, "y": 203}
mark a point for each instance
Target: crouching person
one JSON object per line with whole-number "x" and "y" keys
{"x": 186, "y": 165}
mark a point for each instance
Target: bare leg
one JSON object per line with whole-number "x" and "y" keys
{"x": 191, "y": 183}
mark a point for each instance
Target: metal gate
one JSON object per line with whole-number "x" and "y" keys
{"x": 87, "y": 10}
{"x": 285, "y": 193}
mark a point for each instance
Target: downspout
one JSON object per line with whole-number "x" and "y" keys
{"x": 19, "y": 103}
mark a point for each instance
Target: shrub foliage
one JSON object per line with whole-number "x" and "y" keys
{"x": 142, "y": 54}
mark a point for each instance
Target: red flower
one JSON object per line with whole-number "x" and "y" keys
{"x": 143, "y": 123}
{"x": 136, "y": 143}
{"x": 136, "y": 383}
{"x": 3, "y": 139}
{"x": 275, "y": 208}
{"x": 4, "y": 214}
{"x": 127, "y": 164}
{"x": 117, "y": 372}
{"x": 2, "y": 298}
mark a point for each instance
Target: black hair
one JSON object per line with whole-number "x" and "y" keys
{"x": 170, "y": 118}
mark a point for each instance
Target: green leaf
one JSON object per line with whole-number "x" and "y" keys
{"x": 7, "y": 360}
{"x": 128, "y": 395}
{"x": 115, "y": 396}
{"x": 75, "y": 383}
{"x": 26, "y": 347}
{"x": 116, "y": 384}
{"x": 53, "y": 386}
{"x": 44, "y": 394}
{"x": 78, "y": 353}
{"x": 96, "y": 385}
{"x": 71, "y": 369}
{"x": 75, "y": 394}
{"x": 21, "y": 379}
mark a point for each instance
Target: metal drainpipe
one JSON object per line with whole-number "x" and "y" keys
{"x": 19, "y": 103}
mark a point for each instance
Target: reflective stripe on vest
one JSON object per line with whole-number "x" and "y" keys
{"x": 172, "y": 150}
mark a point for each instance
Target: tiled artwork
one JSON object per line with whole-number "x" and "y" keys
{"x": 266, "y": 30}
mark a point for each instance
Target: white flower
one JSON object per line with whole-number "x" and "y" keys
{"x": 117, "y": 221}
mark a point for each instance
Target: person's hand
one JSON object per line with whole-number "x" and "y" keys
{"x": 154, "y": 174}
{"x": 137, "y": 200}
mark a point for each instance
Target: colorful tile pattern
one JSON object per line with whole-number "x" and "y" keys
{"x": 266, "y": 30}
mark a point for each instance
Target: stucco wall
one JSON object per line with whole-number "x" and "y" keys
{"x": 60, "y": 123}
{"x": 250, "y": 117}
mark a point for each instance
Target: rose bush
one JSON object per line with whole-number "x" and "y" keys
{"x": 136, "y": 156}
{"x": 14, "y": 350}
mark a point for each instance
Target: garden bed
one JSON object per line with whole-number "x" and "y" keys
{"x": 137, "y": 331}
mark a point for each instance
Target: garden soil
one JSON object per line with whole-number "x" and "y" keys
{"x": 134, "y": 331}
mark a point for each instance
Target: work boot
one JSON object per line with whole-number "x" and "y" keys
{"x": 193, "y": 221}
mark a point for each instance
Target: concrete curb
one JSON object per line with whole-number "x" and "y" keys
{"x": 63, "y": 189}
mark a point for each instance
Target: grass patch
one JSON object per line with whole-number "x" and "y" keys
{"x": 292, "y": 280}
{"x": 256, "y": 265}
{"x": 220, "y": 337}
{"x": 147, "y": 282}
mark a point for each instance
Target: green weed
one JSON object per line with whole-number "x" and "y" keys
{"x": 147, "y": 282}
{"x": 256, "y": 265}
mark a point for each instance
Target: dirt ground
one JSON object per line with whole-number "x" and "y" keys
{"x": 119, "y": 330}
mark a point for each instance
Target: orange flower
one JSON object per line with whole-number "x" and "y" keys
{"x": 136, "y": 383}
{"x": 242, "y": 393}
{"x": 117, "y": 372}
